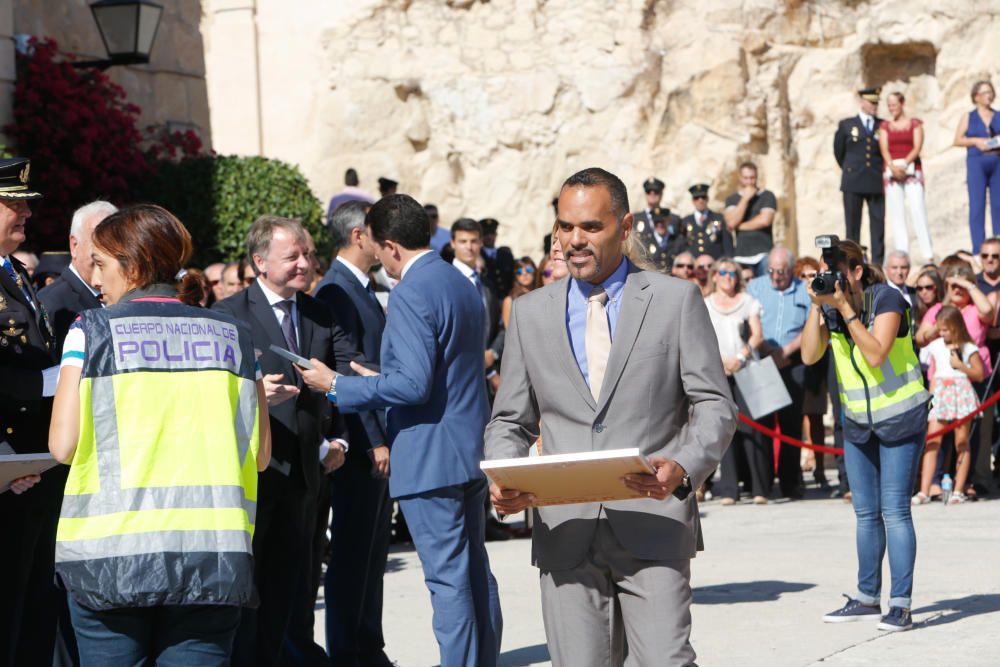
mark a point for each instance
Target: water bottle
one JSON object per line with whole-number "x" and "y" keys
{"x": 947, "y": 486}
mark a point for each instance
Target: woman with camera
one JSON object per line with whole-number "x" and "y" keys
{"x": 884, "y": 408}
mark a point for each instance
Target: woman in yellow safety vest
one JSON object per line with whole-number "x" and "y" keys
{"x": 884, "y": 413}
{"x": 160, "y": 412}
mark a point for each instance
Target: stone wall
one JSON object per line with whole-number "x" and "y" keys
{"x": 483, "y": 107}
{"x": 170, "y": 90}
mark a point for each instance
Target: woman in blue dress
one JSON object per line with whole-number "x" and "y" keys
{"x": 982, "y": 165}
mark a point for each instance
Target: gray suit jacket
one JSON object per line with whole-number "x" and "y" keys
{"x": 664, "y": 392}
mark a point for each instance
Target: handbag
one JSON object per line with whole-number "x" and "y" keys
{"x": 762, "y": 387}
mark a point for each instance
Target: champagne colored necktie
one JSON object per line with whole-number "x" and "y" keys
{"x": 597, "y": 339}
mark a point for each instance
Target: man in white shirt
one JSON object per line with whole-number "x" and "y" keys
{"x": 74, "y": 291}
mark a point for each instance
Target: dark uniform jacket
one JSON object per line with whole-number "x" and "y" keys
{"x": 857, "y": 152}
{"x": 712, "y": 238}
{"x": 64, "y": 299}
{"x": 26, "y": 348}
{"x": 661, "y": 253}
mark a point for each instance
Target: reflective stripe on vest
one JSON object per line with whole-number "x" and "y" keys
{"x": 888, "y": 391}
{"x": 146, "y": 491}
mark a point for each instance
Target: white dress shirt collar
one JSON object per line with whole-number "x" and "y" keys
{"x": 466, "y": 270}
{"x": 865, "y": 118}
{"x": 406, "y": 267}
{"x": 271, "y": 296}
{"x": 358, "y": 273}
{"x": 86, "y": 284}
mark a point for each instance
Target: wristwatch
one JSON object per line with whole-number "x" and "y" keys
{"x": 684, "y": 490}
{"x": 332, "y": 393}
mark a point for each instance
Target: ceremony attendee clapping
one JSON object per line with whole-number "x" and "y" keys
{"x": 168, "y": 507}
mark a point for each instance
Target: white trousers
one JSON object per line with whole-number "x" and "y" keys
{"x": 913, "y": 194}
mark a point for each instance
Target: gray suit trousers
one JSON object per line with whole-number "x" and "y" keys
{"x": 614, "y": 609}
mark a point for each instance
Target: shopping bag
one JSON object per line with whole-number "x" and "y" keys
{"x": 762, "y": 387}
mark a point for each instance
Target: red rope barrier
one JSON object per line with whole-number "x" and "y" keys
{"x": 839, "y": 451}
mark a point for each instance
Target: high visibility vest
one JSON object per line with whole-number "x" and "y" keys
{"x": 874, "y": 395}
{"x": 160, "y": 502}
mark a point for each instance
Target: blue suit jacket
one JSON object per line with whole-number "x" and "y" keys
{"x": 431, "y": 380}
{"x": 362, "y": 320}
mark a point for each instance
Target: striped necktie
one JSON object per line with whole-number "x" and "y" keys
{"x": 16, "y": 277}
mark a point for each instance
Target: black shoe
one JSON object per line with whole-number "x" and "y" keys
{"x": 897, "y": 620}
{"x": 496, "y": 531}
{"x": 854, "y": 611}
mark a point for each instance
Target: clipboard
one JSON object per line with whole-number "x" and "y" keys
{"x": 566, "y": 479}
{"x": 292, "y": 357}
{"x": 13, "y": 466}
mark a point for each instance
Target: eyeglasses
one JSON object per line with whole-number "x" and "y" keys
{"x": 924, "y": 288}
{"x": 808, "y": 275}
{"x": 547, "y": 273}
{"x": 989, "y": 255}
{"x": 683, "y": 266}
{"x": 777, "y": 272}
{"x": 725, "y": 273}
{"x": 524, "y": 269}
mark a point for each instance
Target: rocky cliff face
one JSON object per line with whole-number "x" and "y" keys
{"x": 484, "y": 107}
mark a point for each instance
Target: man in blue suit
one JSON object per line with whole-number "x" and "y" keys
{"x": 362, "y": 511}
{"x": 431, "y": 383}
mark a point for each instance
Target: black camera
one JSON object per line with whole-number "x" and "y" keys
{"x": 825, "y": 282}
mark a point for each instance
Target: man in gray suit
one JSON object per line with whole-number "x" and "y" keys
{"x": 613, "y": 357}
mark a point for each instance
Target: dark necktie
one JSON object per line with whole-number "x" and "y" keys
{"x": 16, "y": 277}
{"x": 370, "y": 288}
{"x": 288, "y": 326}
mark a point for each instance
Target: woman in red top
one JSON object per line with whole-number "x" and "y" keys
{"x": 900, "y": 140}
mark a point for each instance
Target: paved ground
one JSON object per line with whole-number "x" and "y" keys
{"x": 769, "y": 573}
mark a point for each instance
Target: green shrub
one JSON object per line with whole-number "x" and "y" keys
{"x": 219, "y": 197}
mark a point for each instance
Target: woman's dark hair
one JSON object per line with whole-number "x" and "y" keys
{"x": 930, "y": 273}
{"x": 401, "y": 219}
{"x": 518, "y": 289}
{"x": 952, "y": 316}
{"x": 193, "y": 288}
{"x": 148, "y": 241}
{"x": 854, "y": 256}
{"x": 977, "y": 84}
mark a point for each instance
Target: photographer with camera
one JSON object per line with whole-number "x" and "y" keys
{"x": 884, "y": 403}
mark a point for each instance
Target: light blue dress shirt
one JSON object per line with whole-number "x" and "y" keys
{"x": 783, "y": 314}
{"x": 576, "y": 312}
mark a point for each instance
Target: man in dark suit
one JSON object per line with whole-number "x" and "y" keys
{"x": 705, "y": 230}
{"x": 856, "y": 147}
{"x": 467, "y": 242}
{"x": 362, "y": 510}
{"x": 431, "y": 382}
{"x": 305, "y": 431}
{"x": 74, "y": 291}
{"x": 499, "y": 261}
{"x": 29, "y": 601}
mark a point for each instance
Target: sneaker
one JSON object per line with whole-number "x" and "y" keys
{"x": 897, "y": 620}
{"x": 854, "y": 611}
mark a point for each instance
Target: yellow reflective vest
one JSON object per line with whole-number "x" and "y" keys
{"x": 160, "y": 502}
{"x": 872, "y": 396}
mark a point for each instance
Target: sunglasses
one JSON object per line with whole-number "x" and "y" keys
{"x": 547, "y": 273}
{"x": 524, "y": 269}
{"x": 777, "y": 272}
{"x": 989, "y": 255}
{"x": 726, "y": 273}
{"x": 924, "y": 288}
{"x": 699, "y": 197}
{"x": 683, "y": 266}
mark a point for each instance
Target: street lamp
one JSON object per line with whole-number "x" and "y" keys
{"x": 128, "y": 28}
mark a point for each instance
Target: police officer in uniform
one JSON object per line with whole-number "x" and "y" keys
{"x": 659, "y": 231}
{"x": 705, "y": 229}
{"x": 28, "y": 373}
{"x": 856, "y": 147}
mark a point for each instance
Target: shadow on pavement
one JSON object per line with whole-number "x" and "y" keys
{"x": 747, "y": 591}
{"x": 957, "y": 609}
{"x": 525, "y": 656}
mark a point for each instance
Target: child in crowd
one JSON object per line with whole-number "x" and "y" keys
{"x": 955, "y": 364}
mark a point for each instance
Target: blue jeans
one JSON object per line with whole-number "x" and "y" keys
{"x": 882, "y": 476}
{"x": 181, "y": 636}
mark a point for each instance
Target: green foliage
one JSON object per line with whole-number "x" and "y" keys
{"x": 219, "y": 197}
